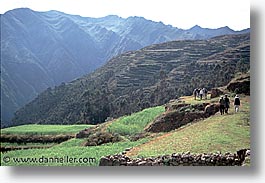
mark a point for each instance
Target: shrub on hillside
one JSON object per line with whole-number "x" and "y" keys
{"x": 102, "y": 138}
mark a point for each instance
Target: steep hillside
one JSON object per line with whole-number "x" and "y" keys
{"x": 44, "y": 49}
{"x": 139, "y": 79}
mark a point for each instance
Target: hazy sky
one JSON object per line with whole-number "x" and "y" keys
{"x": 179, "y": 13}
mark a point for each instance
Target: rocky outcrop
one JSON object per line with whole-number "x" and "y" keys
{"x": 184, "y": 159}
{"x": 216, "y": 92}
{"x": 211, "y": 109}
{"x": 172, "y": 120}
{"x": 240, "y": 85}
{"x": 179, "y": 115}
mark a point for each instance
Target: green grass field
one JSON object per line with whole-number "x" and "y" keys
{"x": 135, "y": 123}
{"x": 71, "y": 149}
{"x": 44, "y": 129}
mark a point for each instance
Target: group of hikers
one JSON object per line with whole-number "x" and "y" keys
{"x": 200, "y": 93}
{"x": 223, "y": 101}
{"x": 225, "y": 104}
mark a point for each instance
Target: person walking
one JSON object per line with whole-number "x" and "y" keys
{"x": 201, "y": 93}
{"x": 195, "y": 93}
{"x": 227, "y": 103}
{"x": 222, "y": 105}
{"x": 205, "y": 93}
{"x": 236, "y": 103}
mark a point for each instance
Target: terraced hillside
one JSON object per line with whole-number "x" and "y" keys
{"x": 139, "y": 79}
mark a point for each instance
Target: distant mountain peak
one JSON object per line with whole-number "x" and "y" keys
{"x": 226, "y": 28}
{"x": 196, "y": 28}
{"x": 113, "y": 17}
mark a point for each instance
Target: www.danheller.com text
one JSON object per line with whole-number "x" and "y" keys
{"x": 55, "y": 159}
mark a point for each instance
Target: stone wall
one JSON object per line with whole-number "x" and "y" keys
{"x": 184, "y": 159}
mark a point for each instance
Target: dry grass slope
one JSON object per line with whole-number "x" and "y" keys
{"x": 227, "y": 133}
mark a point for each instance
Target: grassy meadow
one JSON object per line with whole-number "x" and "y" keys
{"x": 74, "y": 147}
{"x": 135, "y": 123}
{"x": 71, "y": 149}
{"x": 44, "y": 129}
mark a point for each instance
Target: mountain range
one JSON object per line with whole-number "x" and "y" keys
{"x": 44, "y": 49}
{"x": 140, "y": 79}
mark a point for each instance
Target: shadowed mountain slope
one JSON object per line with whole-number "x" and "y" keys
{"x": 139, "y": 79}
